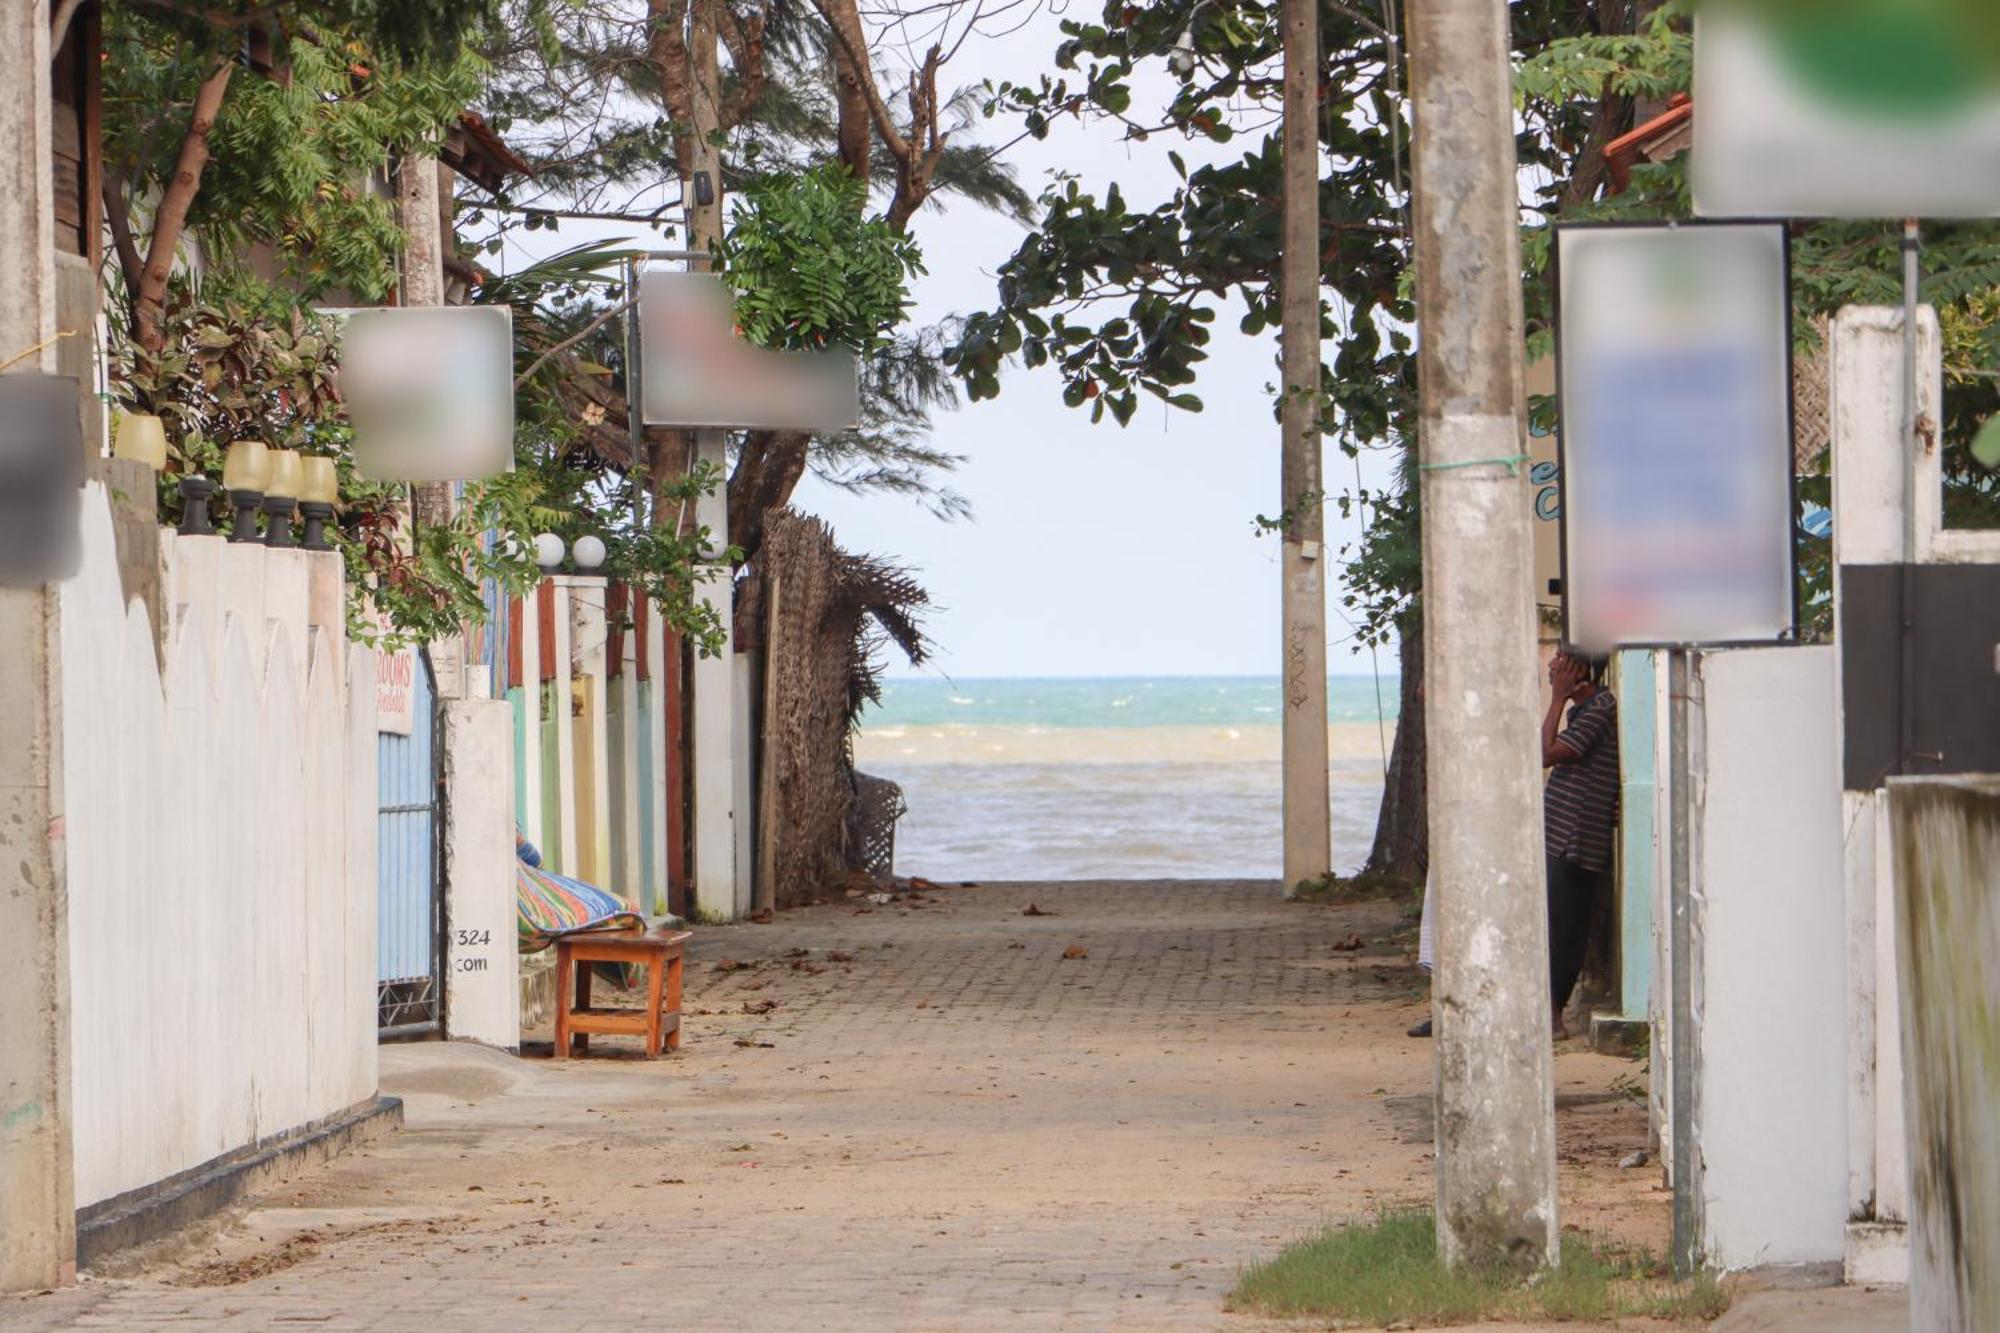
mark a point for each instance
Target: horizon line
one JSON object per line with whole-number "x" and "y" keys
{"x": 940, "y": 678}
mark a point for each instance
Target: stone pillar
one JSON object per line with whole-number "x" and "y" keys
{"x": 482, "y": 962}
{"x": 1947, "y": 849}
{"x": 37, "y": 1183}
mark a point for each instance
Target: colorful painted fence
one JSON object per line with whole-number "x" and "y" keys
{"x": 595, "y": 681}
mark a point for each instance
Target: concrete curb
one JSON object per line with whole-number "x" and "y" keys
{"x": 167, "y": 1206}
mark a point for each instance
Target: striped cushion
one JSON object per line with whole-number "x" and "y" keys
{"x": 551, "y": 906}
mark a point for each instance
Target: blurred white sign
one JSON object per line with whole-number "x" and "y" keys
{"x": 697, "y": 372}
{"x": 1673, "y": 352}
{"x": 430, "y": 391}
{"x": 1860, "y": 111}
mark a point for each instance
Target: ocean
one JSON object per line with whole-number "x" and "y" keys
{"x": 1167, "y": 778}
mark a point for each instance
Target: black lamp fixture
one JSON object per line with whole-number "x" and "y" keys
{"x": 196, "y": 492}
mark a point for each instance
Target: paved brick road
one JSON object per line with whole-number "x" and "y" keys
{"x": 944, "y": 1123}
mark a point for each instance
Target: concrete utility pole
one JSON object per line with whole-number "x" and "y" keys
{"x": 1496, "y": 1181}
{"x": 1308, "y": 817}
{"x": 722, "y": 857}
{"x": 37, "y": 1184}
{"x": 419, "y": 204}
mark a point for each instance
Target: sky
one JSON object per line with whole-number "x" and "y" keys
{"x": 1091, "y": 550}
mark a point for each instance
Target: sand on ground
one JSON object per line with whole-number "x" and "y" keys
{"x": 937, "y": 1113}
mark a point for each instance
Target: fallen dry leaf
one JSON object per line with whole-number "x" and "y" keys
{"x": 795, "y": 953}
{"x": 762, "y": 917}
{"x": 839, "y": 956}
{"x": 1350, "y": 944}
{"x": 731, "y": 965}
{"x": 809, "y": 968}
{"x": 1076, "y": 951}
{"x": 759, "y": 1006}
{"x": 1032, "y": 910}
{"x": 752, "y": 1041}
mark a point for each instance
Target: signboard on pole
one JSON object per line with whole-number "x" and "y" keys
{"x": 698, "y": 373}
{"x": 396, "y": 690}
{"x": 430, "y": 390}
{"x": 1674, "y": 370}
{"x": 1545, "y": 497}
{"x": 1860, "y": 110}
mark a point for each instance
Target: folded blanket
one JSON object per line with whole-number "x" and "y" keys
{"x": 551, "y": 906}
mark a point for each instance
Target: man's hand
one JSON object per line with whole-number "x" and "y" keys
{"x": 1566, "y": 677}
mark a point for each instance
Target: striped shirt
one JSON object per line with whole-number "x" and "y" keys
{"x": 1580, "y": 807}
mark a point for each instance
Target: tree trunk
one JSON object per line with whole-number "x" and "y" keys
{"x": 1402, "y": 829}
{"x": 767, "y": 472}
{"x": 170, "y": 218}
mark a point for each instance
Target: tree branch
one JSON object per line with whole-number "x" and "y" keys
{"x": 130, "y": 265}
{"x": 170, "y": 219}
{"x": 574, "y": 339}
{"x": 745, "y": 39}
{"x": 667, "y": 49}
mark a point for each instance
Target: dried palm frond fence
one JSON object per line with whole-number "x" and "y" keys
{"x": 823, "y": 614}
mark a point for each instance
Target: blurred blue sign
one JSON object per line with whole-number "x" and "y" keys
{"x": 1674, "y": 369}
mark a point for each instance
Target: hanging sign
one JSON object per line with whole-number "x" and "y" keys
{"x": 41, "y": 472}
{"x": 1674, "y": 371}
{"x": 396, "y": 691}
{"x": 1845, "y": 108}
{"x": 429, "y": 390}
{"x": 1545, "y": 497}
{"x": 697, "y": 372}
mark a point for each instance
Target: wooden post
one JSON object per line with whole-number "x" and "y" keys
{"x": 1308, "y": 834}
{"x": 766, "y": 896}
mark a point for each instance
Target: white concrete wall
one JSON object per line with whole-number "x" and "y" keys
{"x": 1771, "y": 1008}
{"x": 482, "y": 958}
{"x": 221, "y": 857}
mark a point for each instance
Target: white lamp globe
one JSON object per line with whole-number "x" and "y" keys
{"x": 548, "y": 550}
{"x": 589, "y": 552}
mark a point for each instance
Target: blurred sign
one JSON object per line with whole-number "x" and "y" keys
{"x": 429, "y": 390}
{"x": 1862, "y": 108}
{"x": 41, "y": 472}
{"x": 698, "y": 373}
{"x": 1674, "y": 355}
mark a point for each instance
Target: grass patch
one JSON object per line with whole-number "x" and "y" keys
{"x": 1388, "y": 1272}
{"x": 1368, "y": 887}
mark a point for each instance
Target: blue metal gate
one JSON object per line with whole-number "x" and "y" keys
{"x": 409, "y": 972}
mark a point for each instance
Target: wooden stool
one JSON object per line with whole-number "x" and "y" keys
{"x": 659, "y": 952}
